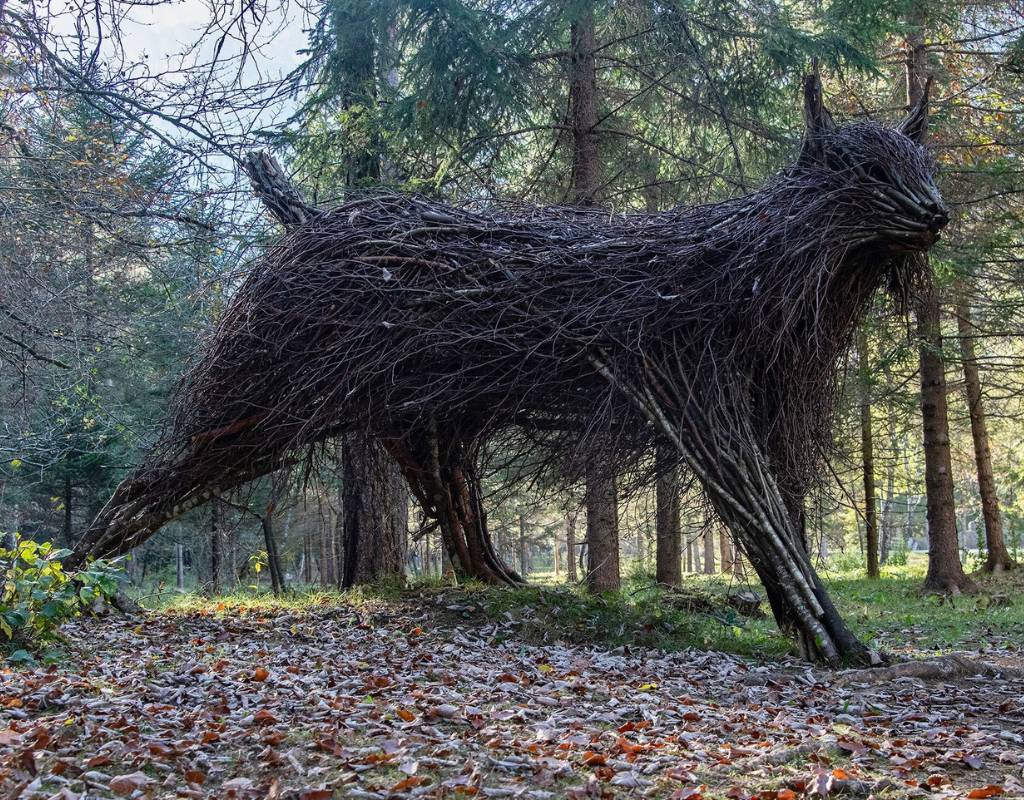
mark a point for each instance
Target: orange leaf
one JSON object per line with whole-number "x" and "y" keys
{"x": 406, "y": 714}
{"x": 592, "y": 759}
{"x": 840, "y": 774}
{"x": 992, "y": 790}
{"x": 264, "y": 717}
{"x": 785, "y": 794}
{"x": 261, "y": 674}
{"x": 316, "y": 794}
{"x": 195, "y": 776}
{"x": 409, "y": 783}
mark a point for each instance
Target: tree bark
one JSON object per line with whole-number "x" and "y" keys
{"x": 867, "y": 450}
{"x": 602, "y": 533}
{"x": 524, "y": 555}
{"x": 998, "y": 557}
{"x": 887, "y": 524}
{"x": 945, "y": 572}
{"x": 668, "y": 566}
{"x": 725, "y": 550}
{"x": 324, "y": 573}
{"x": 709, "y": 548}
{"x": 179, "y": 566}
{"x": 584, "y": 188}
{"x": 270, "y": 543}
{"x": 583, "y": 108}
{"x": 570, "y": 547}
{"x": 216, "y": 551}
{"x": 374, "y": 514}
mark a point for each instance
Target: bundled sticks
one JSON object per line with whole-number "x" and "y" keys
{"x": 715, "y": 328}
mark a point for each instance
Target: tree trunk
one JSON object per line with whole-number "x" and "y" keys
{"x": 524, "y": 555}
{"x": 867, "y": 457}
{"x": 273, "y": 561}
{"x": 725, "y": 549}
{"x": 583, "y": 108}
{"x": 555, "y": 553}
{"x": 570, "y": 547}
{"x": 179, "y": 566}
{"x": 694, "y": 545}
{"x": 585, "y": 186}
{"x": 307, "y": 555}
{"x": 998, "y": 558}
{"x": 945, "y": 572}
{"x": 216, "y": 551}
{"x": 668, "y": 564}
{"x": 888, "y": 504}
{"x": 373, "y": 514}
{"x": 709, "y": 547}
{"x": 326, "y": 528}
{"x": 602, "y": 533}
{"x": 233, "y": 556}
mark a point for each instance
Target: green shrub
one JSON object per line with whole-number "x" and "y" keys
{"x": 898, "y": 557}
{"x": 37, "y": 595}
{"x": 850, "y": 561}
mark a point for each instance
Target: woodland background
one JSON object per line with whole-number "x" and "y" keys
{"x": 126, "y": 223}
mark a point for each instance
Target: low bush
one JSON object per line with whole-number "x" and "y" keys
{"x": 37, "y": 595}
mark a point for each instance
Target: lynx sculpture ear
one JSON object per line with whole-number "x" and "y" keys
{"x": 916, "y": 122}
{"x": 817, "y": 119}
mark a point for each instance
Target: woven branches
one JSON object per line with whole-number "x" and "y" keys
{"x": 716, "y": 328}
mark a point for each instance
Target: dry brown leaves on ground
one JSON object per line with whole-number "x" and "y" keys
{"x": 339, "y": 703}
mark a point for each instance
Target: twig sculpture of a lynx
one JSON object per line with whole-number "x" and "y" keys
{"x": 715, "y": 330}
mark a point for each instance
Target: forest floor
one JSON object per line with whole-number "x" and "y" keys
{"x": 435, "y": 692}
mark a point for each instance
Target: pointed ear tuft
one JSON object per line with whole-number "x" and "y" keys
{"x": 915, "y": 123}
{"x": 817, "y": 119}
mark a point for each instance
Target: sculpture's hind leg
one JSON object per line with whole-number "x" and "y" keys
{"x": 442, "y": 477}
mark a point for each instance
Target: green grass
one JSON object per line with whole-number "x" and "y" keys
{"x": 890, "y": 613}
{"x": 893, "y": 614}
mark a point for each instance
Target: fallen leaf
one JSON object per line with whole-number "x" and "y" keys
{"x": 320, "y": 793}
{"x": 126, "y": 784}
{"x": 264, "y": 717}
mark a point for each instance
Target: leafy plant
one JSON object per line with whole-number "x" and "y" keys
{"x": 898, "y": 557}
{"x": 258, "y": 561}
{"x": 37, "y": 595}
